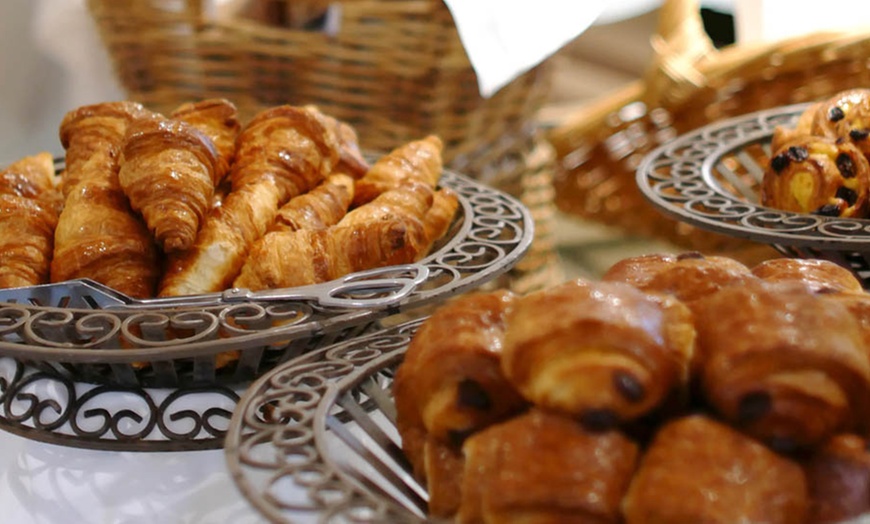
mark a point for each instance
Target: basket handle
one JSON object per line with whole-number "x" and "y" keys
{"x": 679, "y": 46}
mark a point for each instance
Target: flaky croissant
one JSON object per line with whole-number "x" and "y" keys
{"x": 351, "y": 160}
{"x": 168, "y": 172}
{"x": 216, "y": 118}
{"x": 439, "y": 217}
{"x": 782, "y": 364}
{"x": 632, "y": 349}
{"x": 29, "y": 208}
{"x": 387, "y": 231}
{"x": 700, "y": 470}
{"x": 418, "y": 160}
{"x": 98, "y": 236}
{"x": 543, "y": 467}
{"x": 320, "y": 208}
{"x": 283, "y": 152}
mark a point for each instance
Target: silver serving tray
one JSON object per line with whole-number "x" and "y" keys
{"x": 710, "y": 178}
{"x": 109, "y": 375}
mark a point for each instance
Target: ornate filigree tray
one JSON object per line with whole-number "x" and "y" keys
{"x": 158, "y": 362}
{"x": 710, "y": 178}
{"x": 314, "y": 440}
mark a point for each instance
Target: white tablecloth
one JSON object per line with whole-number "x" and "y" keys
{"x": 51, "y": 484}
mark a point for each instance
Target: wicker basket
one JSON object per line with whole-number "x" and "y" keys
{"x": 689, "y": 84}
{"x": 395, "y": 70}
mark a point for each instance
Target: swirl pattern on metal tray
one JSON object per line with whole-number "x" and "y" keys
{"x": 295, "y": 427}
{"x": 182, "y": 345}
{"x": 45, "y": 405}
{"x": 710, "y": 178}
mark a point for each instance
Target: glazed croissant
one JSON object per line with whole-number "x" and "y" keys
{"x": 98, "y": 236}
{"x": 820, "y": 175}
{"x": 266, "y": 266}
{"x": 387, "y": 231}
{"x": 450, "y": 383}
{"x": 784, "y": 365}
{"x": 542, "y": 467}
{"x": 418, "y": 160}
{"x": 217, "y": 119}
{"x": 29, "y": 208}
{"x": 95, "y": 133}
{"x": 168, "y": 172}
{"x": 440, "y": 215}
{"x": 838, "y": 479}
{"x": 283, "y": 152}
{"x": 351, "y": 160}
{"x": 320, "y": 208}
{"x": 632, "y": 349}
{"x": 699, "y": 470}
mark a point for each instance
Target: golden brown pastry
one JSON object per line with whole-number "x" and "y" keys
{"x": 782, "y": 364}
{"x": 440, "y": 215}
{"x": 450, "y": 383}
{"x": 632, "y": 350}
{"x": 283, "y": 152}
{"x": 320, "y": 208}
{"x": 351, "y": 159}
{"x": 418, "y": 160}
{"x": 838, "y": 478}
{"x": 98, "y": 236}
{"x": 443, "y": 463}
{"x": 819, "y": 175}
{"x": 699, "y": 470}
{"x": 386, "y": 231}
{"x": 819, "y": 276}
{"x": 95, "y": 133}
{"x": 168, "y": 170}
{"x": 218, "y": 119}
{"x": 845, "y": 115}
{"x": 687, "y": 276}
{"x": 806, "y": 125}
{"x": 545, "y": 468}
{"x": 29, "y": 208}
{"x": 266, "y": 266}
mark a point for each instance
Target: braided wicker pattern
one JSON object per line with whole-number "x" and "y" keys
{"x": 689, "y": 84}
{"x": 396, "y": 70}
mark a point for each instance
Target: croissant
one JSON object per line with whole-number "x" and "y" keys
{"x": 542, "y": 467}
{"x": 98, "y": 236}
{"x": 95, "y": 133}
{"x": 291, "y": 146}
{"x": 351, "y": 159}
{"x": 816, "y": 274}
{"x": 819, "y": 175}
{"x": 632, "y": 349}
{"x": 216, "y": 118}
{"x": 320, "y": 208}
{"x": 450, "y": 383}
{"x": 699, "y": 470}
{"x": 283, "y": 152}
{"x": 418, "y": 160}
{"x": 838, "y": 480}
{"x": 29, "y": 208}
{"x": 439, "y": 217}
{"x": 781, "y": 364}
{"x": 687, "y": 276}
{"x": 443, "y": 464}
{"x": 387, "y": 231}
{"x": 168, "y": 172}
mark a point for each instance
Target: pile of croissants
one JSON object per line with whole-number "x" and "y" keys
{"x": 822, "y": 165}
{"x": 676, "y": 389}
{"x": 197, "y": 201}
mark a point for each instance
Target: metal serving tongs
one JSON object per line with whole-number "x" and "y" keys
{"x": 374, "y": 288}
